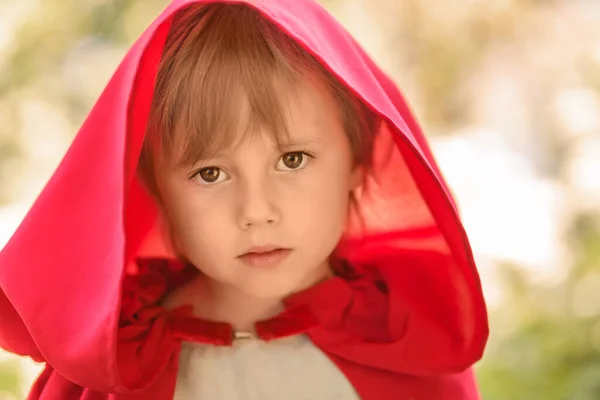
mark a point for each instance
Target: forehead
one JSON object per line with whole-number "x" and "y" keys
{"x": 306, "y": 113}
{"x": 311, "y": 109}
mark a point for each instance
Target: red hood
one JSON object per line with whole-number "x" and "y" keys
{"x": 62, "y": 271}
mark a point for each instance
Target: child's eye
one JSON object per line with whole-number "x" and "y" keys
{"x": 293, "y": 161}
{"x": 210, "y": 175}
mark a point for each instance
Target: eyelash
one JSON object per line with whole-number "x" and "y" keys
{"x": 310, "y": 159}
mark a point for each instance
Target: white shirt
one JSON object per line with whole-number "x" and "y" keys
{"x": 291, "y": 368}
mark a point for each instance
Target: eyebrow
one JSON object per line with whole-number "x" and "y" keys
{"x": 285, "y": 145}
{"x": 301, "y": 142}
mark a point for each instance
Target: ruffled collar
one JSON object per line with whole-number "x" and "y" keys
{"x": 145, "y": 290}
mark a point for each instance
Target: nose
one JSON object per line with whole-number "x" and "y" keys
{"x": 257, "y": 206}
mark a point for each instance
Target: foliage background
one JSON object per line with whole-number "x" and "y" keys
{"x": 507, "y": 90}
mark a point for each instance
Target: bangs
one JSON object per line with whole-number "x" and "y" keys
{"x": 225, "y": 71}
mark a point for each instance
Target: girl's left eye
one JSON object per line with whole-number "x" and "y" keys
{"x": 293, "y": 161}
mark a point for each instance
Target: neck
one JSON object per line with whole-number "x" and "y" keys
{"x": 219, "y": 302}
{"x": 216, "y": 301}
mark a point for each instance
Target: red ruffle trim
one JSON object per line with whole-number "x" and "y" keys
{"x": 149, "y": 334}
{"x": 141, "y": 308}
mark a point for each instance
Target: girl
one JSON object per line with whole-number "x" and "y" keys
{"x": 249, "y": 212}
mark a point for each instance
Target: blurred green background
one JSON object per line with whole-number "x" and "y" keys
{"x": 508, "y": 92}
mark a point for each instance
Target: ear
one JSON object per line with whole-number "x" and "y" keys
{"x": 357, "y": 176}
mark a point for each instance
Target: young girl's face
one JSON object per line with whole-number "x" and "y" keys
{"x": 258, "y": 194}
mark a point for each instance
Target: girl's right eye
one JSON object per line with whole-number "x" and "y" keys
{"x": 210, "y": 176}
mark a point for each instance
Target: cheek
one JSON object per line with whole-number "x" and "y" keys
{"x": 321, "y": 206}
{"x": 197, "y": 227}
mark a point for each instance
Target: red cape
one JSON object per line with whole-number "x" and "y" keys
{"x": 407, "y": 326}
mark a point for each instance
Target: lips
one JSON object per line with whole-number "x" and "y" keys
{"x": 264, "y": 256}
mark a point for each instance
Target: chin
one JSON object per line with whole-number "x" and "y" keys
{"x": 267, "y": 289}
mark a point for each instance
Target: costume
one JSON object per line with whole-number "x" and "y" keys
{"x": 82, "y": 278}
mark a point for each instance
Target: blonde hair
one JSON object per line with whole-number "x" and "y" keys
{"x": 218, "y": 56}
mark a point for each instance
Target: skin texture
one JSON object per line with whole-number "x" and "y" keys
{"x": 295, "y": 196}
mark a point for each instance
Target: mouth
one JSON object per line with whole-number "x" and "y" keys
{"x": 264, "y": 256}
